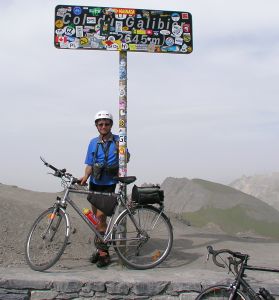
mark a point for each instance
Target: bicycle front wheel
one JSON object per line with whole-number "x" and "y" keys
{"x": 220, "y": 292}
{"x": 47, "y": 239}
{"x": 150, "y": 245}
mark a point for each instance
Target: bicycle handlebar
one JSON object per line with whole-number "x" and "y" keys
{"x": 242, "y": 257}
{"x": 49, "y": 165}
{"x": 60, "y": 173}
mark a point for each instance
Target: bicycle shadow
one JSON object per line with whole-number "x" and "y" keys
{"x": 181, "y": 254}
{"x": 188, "y": 248}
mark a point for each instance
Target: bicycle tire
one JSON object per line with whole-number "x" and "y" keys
{"x": 152, "y": 251}
{"x": 220, "y": 292}
{"x": 47, "y": 239}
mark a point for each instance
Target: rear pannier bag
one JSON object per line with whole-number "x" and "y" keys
{"x": 147, "y": 195}
{"x": 105, "y": 203}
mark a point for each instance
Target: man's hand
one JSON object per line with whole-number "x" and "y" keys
{"x": 83, "y": 180}
{"x": 87, "y": 173}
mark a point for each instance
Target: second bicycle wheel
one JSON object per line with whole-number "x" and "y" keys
{"x": 47, "y": 239}
{"x": 148, "y": 248}
{"x": 220, "y": 292}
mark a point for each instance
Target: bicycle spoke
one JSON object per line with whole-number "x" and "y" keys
{"x": 220, "y": 292}
{"x": 154, "y": 239}
{"x": 47, "y": 240}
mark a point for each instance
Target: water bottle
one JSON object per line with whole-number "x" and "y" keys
{"x": 90, "y": 216}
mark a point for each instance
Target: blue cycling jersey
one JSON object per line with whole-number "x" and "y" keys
{"x": 112, "y": 157}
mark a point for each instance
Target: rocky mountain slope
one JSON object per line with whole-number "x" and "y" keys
{"x": 18, "y": 210}
{"x": 264, "y": 187}
{"x": 204, "y": 203}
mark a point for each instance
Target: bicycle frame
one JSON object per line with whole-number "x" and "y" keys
{"x": 240, "y": 282}
{"x": 120, "y": 197}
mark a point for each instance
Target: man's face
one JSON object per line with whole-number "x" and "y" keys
{"x": 104, "y": 126}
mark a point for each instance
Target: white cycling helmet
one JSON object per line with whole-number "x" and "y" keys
{"x": 103, "y": 114}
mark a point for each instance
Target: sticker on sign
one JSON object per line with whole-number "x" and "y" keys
{"x": 123, "y": 29}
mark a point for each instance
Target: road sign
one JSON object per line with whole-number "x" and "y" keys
{"x": 123, "y": 29}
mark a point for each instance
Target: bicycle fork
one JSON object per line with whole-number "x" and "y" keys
{"x": 52, "y": 228}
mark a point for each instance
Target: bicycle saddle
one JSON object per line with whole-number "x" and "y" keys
{"x": 127, "y": 179}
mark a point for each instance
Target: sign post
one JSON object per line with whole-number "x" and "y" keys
{"x": 123, "y": 30}
{"x": 122, "y": 113}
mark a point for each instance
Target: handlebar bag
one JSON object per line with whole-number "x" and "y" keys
{"x": 147, "y": 195}
{"x": 105, "y": 203}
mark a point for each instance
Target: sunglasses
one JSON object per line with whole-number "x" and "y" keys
{"x": 103, "y": 124}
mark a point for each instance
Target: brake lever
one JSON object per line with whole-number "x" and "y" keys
{"x": 231, "y": 262}
{"x": 49, "y": 173}
{"x": 56, "y": 173}
{"x": 230, "y": 270}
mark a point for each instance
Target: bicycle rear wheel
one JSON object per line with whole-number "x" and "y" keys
{"x": 220, "y": 292}
{"x": 148, "y": 248}
{"x": 47, "y": 239}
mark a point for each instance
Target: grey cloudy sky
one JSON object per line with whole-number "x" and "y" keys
{"x": 213, "y": 114}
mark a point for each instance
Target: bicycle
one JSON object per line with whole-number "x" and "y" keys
{"x": 239, "y": 289}
{"x": 141, "y": 235}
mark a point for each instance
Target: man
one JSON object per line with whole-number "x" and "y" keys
{"x": 102, "y": 166}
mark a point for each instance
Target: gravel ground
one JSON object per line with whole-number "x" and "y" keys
{"x": 19, "y": 208}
